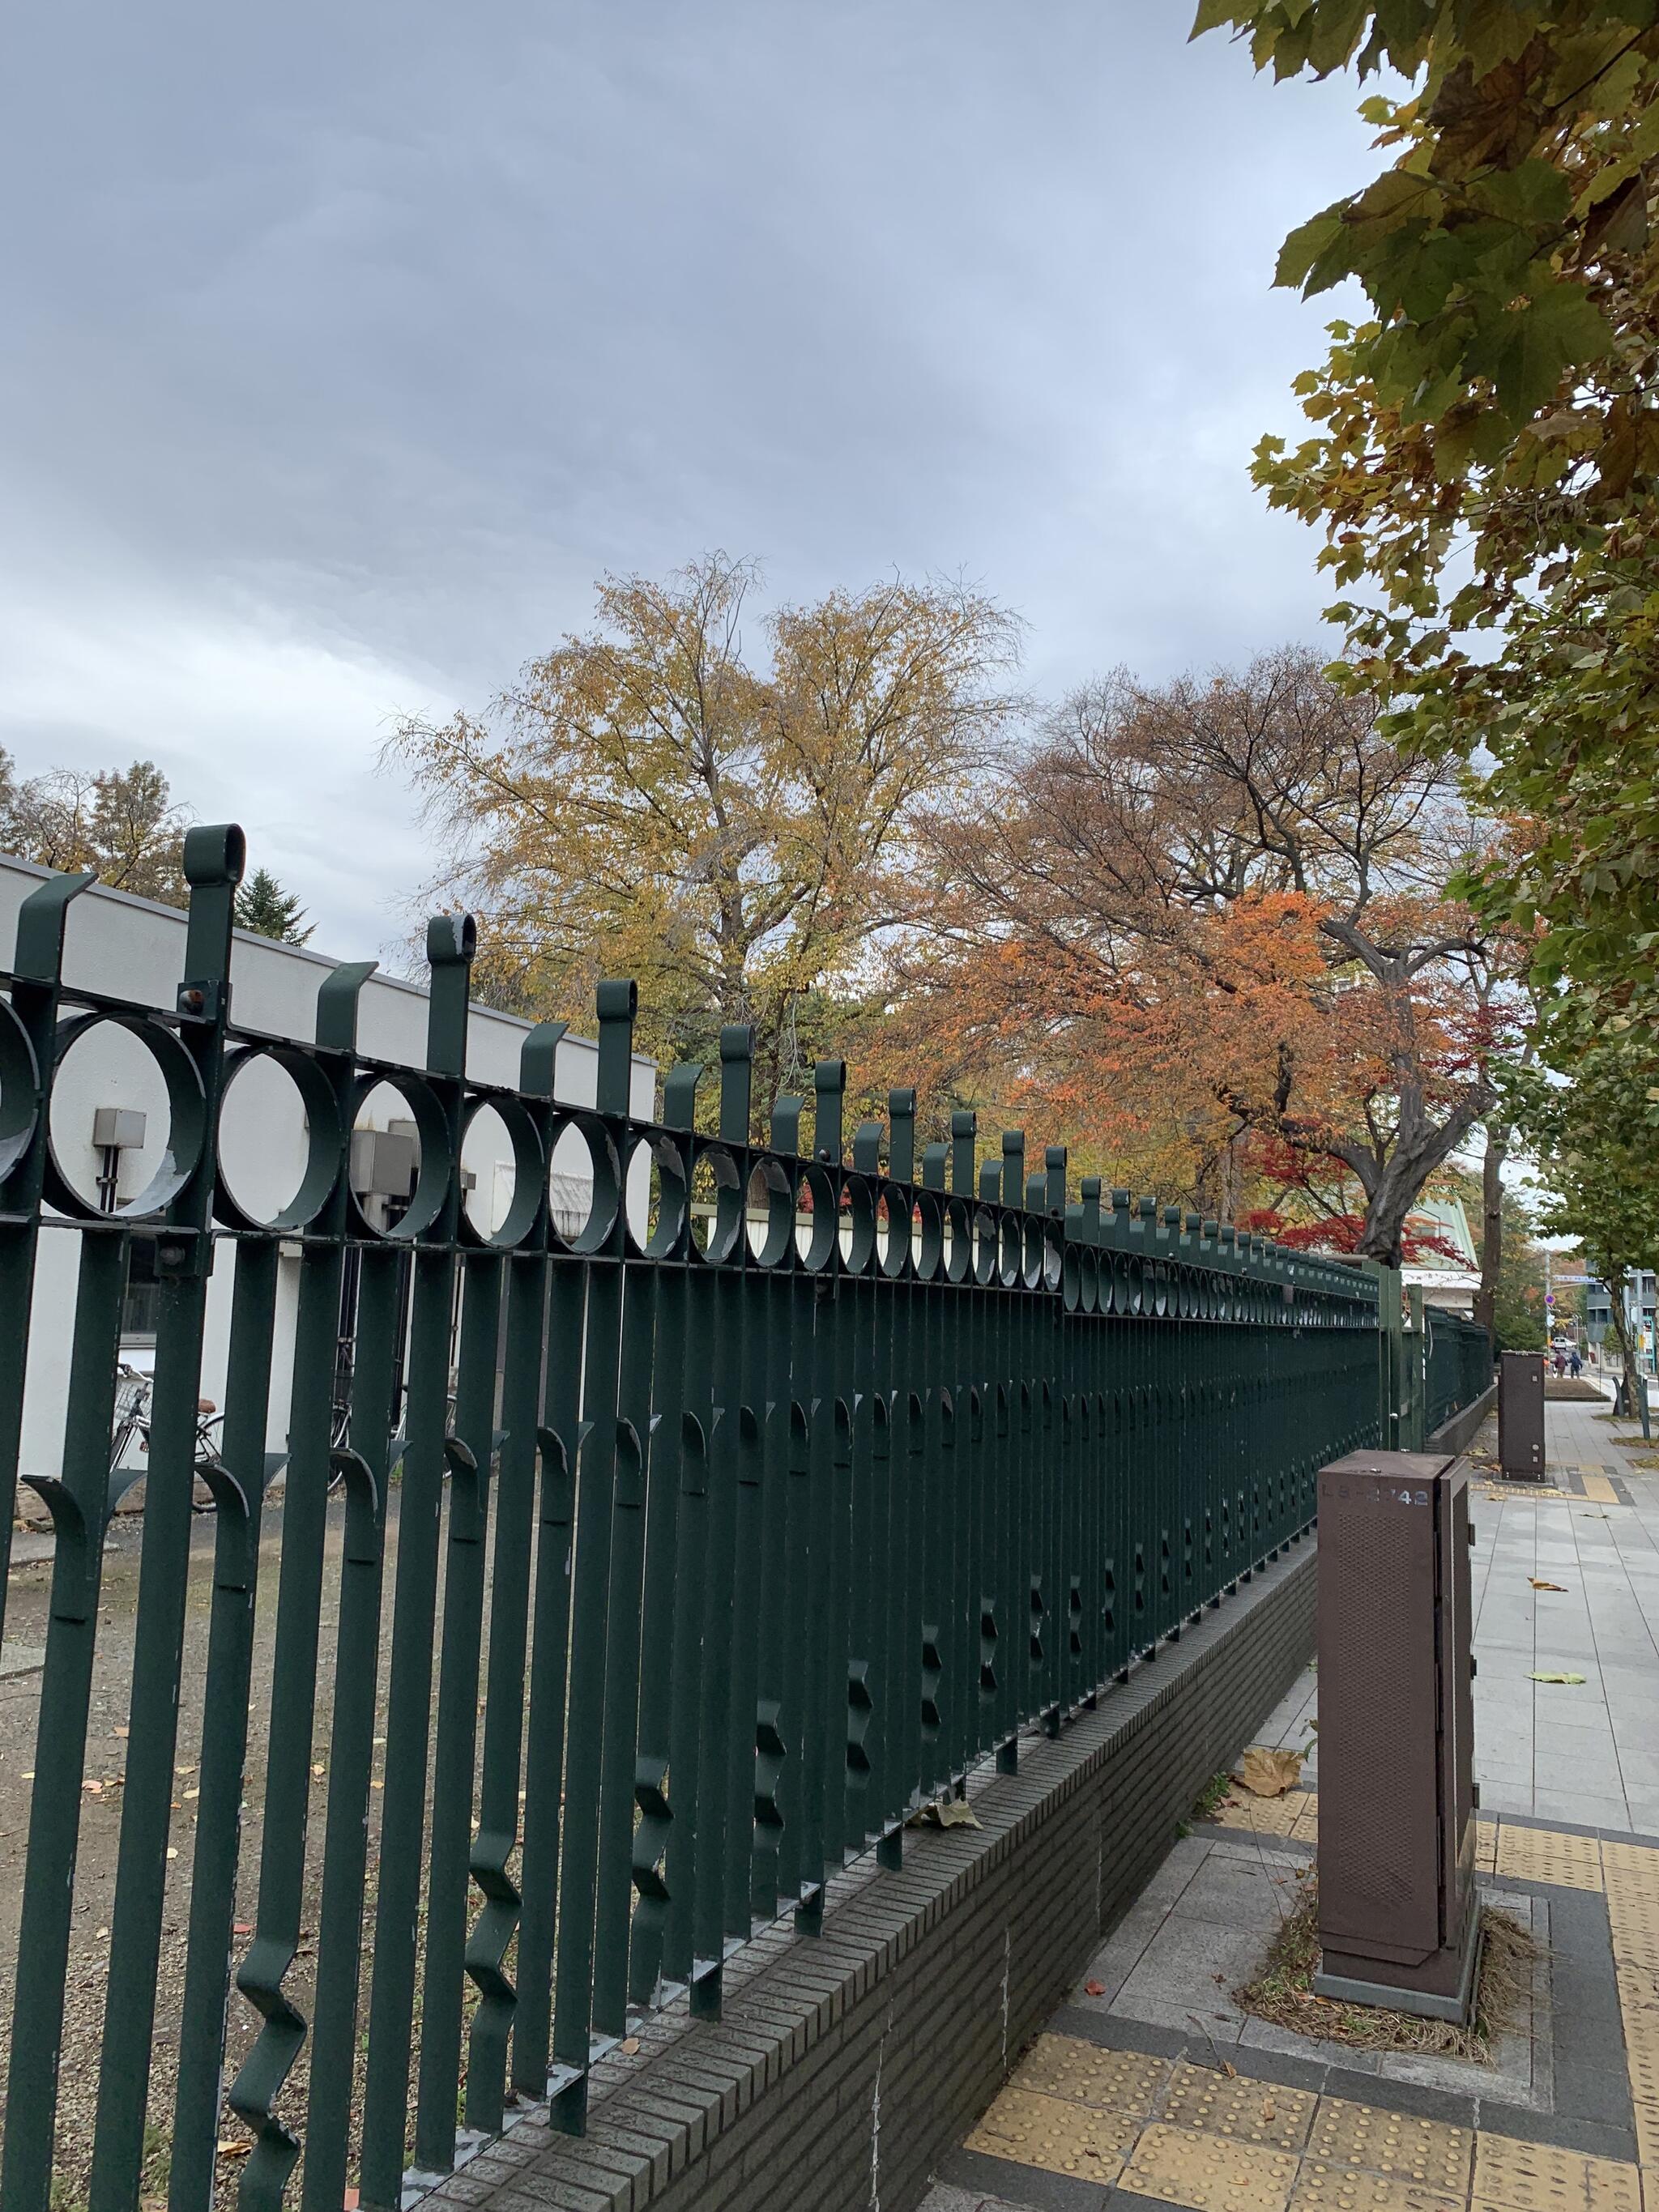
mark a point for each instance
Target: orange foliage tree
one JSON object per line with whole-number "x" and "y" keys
{"x": 1209, "y": 921}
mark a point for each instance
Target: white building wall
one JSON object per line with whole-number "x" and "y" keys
{"x": 132, "y": 949}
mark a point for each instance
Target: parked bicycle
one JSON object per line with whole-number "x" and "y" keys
{"x": 130, "y": 1433}
{"x": 134, "y": 1393}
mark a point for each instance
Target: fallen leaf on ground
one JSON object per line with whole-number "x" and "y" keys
{"x": 232, "y": 2149}
{"x": 1555, "y": 1677}
{"x": 1094, "y": 1989}
{"x": 628, "y": 2045}
{"x": 1538, "y": 1583}
{"x": 1268, "y": 1773}
{"x": 1230, "y": 2070}
{"x": 951, "y": 1813}
{"x": 1267, "y": 2108}
{"x": 242, "y": 1927}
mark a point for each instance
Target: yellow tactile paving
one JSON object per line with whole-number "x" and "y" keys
{"x": 1639, "y": 1993}
{"x": 1115, "y": 2080}
{"x": 1598, "y": 1489}
{"x": 1241, "y": 2109}
{"x": 1511, "y": 2176}
{"x": 1548, "y": 1854}
{"x": 1223, "y": 2142}
{"x": 1634, "y": 1946}
{"x": 1428, "y": 2152}
{"x": 1226, "y": 2144}
{"x": 1633, "y": 1868}
{"x": 1632, "y": 1873}
{"x": 1268, "y": 1816}
{"x": 1345, "y": 2189}
{"x": 1056, "y": 2134}
{"x": 1208, "y": 2172}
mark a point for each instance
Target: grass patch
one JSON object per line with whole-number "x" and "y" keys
{"x": 1283, "y": 1991}
{"x": 1212, "y": 1797}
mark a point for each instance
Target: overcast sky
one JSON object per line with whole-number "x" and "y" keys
{"x": 343, "y": 346}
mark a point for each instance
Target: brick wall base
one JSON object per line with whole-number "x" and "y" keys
{"x": 845, "y": 2066}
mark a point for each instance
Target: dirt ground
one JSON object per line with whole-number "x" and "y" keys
{"x": 107, "y": 1750}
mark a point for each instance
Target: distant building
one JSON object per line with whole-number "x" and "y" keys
{"x": 1449, "y": 1272}
{"x": 1642, "y": 1296}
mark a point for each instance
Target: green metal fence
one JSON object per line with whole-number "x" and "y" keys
{"x": 801, "y": 1478}
{"x": 1458, "y": 1365}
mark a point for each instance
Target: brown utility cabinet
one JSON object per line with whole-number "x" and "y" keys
{"x": 1520, "y": 1415}
{"x": 1398, "y": 1915}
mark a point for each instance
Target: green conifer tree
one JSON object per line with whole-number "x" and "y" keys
{"x": 262, "y": 905}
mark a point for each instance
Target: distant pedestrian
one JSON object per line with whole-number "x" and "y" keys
{"x": 1560, "y": 1361}
{"x": 1575, "y": 1365}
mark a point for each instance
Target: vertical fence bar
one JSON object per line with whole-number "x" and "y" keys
{"x": 361, "y": 1463}
{"x": 493, "y": 1846}
{"x": 77, "y": 1505}
{"x": 28, "y": 1049}
{"x": 598, "y": 1470}
{"x": 451, "y": 942}
{"x": 470, "y": 1451}
{"x": 239, "y": 1495}
{"x": 213, "y": 867}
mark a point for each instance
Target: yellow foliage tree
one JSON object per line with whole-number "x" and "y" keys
{"x": 648, "y": 800}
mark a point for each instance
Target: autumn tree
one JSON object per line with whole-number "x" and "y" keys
{"x": 734, "y": 828}
{"x": 1223, "y": 902}
{"x": 1483, "y": 447}
{"x": 122, "y": 823}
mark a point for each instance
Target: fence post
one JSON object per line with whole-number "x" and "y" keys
{"x": 1390, "y": 1353}
{"x": 1415, "y": 1399}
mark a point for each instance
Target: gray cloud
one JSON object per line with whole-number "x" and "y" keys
{"x": 346, "y": 346}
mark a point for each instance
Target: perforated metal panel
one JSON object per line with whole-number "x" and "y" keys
{"x": 1520, "y": 1415}
{"x": 1396, "y": 1831}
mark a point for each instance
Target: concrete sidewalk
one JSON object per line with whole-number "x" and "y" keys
{"x": 1151, "y": 2083}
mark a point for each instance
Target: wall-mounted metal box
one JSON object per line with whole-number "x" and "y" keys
{"x": 383, "y": 1164}
{"x": 1520, "y": 1415}
{"x": 1398, "y": 1918}
{"x": 118, "y": 1128}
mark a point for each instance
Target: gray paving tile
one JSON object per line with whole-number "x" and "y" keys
{"x": 1264, "y": 2035}
{"x": 1581, "y": 1807}
{"x": 1506, "y": 1798}
{"x": 1233, "y": 1894}
{"x": 1643, "y": 1805}
{"x": 1191, "y": 1965}
{"x": 1223, "y": 2027}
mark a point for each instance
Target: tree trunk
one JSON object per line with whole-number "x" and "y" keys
{"x": 1492, "y": 1225}
{"x": 1635, "y": 1383}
